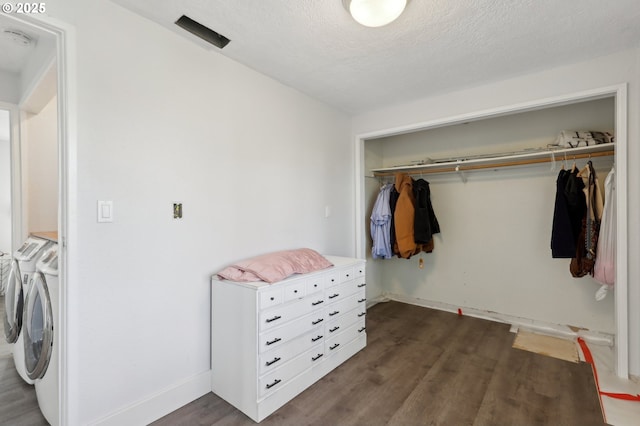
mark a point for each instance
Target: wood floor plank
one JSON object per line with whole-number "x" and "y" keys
{"x": 453, "y": 389}
{"x": 428, "y": 367}
{"x": 540, "y": 390}
{"x": 18, "y": 402}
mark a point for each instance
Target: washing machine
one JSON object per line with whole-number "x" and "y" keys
{"x": 23, "y": 266}
{"x": 41, "y": 341}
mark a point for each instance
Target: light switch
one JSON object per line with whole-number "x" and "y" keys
{"x": 105, "y": 211}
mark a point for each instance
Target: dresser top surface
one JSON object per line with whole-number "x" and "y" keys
{"x": 338, "y": 262}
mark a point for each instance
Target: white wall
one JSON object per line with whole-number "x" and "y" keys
{"x": 600, "y": 72}
{"x": 39, "y": 143}
{"x": 9, "y": 87}
{"x": 5, "y": 183}
{"x": 161, "y": 120}
{"x": 37, "y": 64}
{"x": 493, "y": 252}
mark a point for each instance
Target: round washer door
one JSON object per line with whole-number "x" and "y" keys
{"x": 13, "y": 302}
{"x": 38, "y": 328}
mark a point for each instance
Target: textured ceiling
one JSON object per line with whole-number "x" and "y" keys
{"x": 434, "y": 47}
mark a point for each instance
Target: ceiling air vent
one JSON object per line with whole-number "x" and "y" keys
{"x": 207, "y": 34}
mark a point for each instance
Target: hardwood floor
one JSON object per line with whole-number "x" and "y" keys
{"x": 420, "y": 367}
{"x": 18, "y": 403}
{"x": 427, "y": 367}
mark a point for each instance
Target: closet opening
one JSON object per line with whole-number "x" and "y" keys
{"x": 492, "y": 258}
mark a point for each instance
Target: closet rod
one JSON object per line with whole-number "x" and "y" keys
{"x": 458, "y": 167}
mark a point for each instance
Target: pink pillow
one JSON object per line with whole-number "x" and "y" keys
{"x": 235, "y": 274}
{"x": 273, "y": 267}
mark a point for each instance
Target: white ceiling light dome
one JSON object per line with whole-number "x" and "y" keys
{"x": 16, "y": 36}
{"x": 375, "y": 13}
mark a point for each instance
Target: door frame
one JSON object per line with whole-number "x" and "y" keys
{"x": 65, "y": 36}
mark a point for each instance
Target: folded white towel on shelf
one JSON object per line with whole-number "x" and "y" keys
{"x": 575, "y": 139}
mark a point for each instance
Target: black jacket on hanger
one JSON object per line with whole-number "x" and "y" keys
{"x": 393, "y": 200}
{"x": 576, "y": 203}
{"x": 425, "y": 222}
{"x": 563, "y": 239}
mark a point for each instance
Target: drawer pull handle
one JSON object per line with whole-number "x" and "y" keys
{"x": 276, "y": 340}
{"x": 317, "y": 357}
{"x": 362, "y": 300}
{"x": 315, "y": 339}
{"x": 334, "y": 346}
{"x": 362, "y": 285}
{"x": 272, "y": 298}
{"x": 362, "y": 329}
{"x": 270, "y": 385}
{"x": 295, "y": 291}
{"x": 276, "y": 359}
{"x": 277, "y": 317}
{"x": 317, "y": 303}
{"x": 360, "y": 271}
{"x": 333, "y": 280}
{"x": 318, "y": 321}
{"x": 331, "y": 330}
{"x": 347, "y": 275}
{"x": 334, "y": 295}
{"x": 333, "y": 313}
{"x": 315, "y": 285}
{"x": 361, "y": 314}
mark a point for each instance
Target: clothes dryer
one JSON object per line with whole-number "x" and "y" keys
{"x": 22, "y": 269}
{"x": 41, "y": 324}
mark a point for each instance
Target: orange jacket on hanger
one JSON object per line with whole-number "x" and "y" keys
{"x": 403, "y": 216}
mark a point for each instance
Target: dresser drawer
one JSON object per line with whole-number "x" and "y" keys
{"x": 343, "y": 322}
{"x": 340, "y": 291}
{"x": 315, "y": 284}
{"x": 271, "y": 297}
{"x": 334, "y": 343}
{"x": 295, "y": 290}
{"x": 277, "y": 378}
{"x": 342, "y": 306}
{"x": 281, "y": 314}
{"x": 281, "y": 355}
{"x": 332, "y": 278}
{"x": 277, "y": 337}
{"x": 346, "y": 274}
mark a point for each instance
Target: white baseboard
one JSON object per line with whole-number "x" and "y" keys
{"x": 565, "y": 331}
{"x": 375, "y": 301}
{"x": 161, "y": 403}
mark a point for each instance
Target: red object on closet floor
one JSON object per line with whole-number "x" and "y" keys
{"x": 589, "y": 358}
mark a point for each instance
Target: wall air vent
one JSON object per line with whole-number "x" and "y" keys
{"x": 207, "y": 34}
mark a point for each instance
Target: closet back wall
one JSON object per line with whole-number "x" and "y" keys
{"x": 493, "y": 253}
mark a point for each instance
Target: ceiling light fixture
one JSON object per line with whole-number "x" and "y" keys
{"x": 375, "y": 13}
{"x": 17, "y": 37}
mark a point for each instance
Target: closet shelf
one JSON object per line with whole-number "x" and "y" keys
{"x": 498, "y": 161}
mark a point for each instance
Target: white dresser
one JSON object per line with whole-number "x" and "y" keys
{"x": 269, "y": 342}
